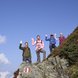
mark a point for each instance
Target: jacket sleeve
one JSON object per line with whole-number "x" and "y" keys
{"x": 47, "y": 39}
{"x": 64, "y": 38}
{"x": 42, "y": 45}
{"x": 20, "y": 47}
{"x": 30, "y": 52}
{"x": 54, "y": 41}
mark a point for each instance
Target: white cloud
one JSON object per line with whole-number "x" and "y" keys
{"x": 3, "y": 59}
{"x": 2, "y": 39}
{"x": 4, "y": 74}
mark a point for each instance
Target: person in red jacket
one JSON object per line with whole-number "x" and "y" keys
{"x": 61, "y": 38}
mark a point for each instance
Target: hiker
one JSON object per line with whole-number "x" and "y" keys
{"x": 39, "y": 48}
{"x": 16, "y": 73}
{"x": 61, "y": 38}
{"x": 52, "y": 42}
{"x": 26, "y": 52}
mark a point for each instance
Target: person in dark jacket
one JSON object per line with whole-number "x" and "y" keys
{"x": 52, "y": 42}
{"x": 26, "y": 52}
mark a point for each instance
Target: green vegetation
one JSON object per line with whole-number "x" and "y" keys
{"x": 69, "y": 50}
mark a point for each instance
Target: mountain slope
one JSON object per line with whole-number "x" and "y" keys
{"x": 61, "y": 64}
{"x": 69, "y": 50}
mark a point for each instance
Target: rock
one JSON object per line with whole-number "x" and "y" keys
{"x": 46, "y": 69}
{"x": 27, "y": 70}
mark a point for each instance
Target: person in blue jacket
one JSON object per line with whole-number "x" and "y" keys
{"x": 52, "y": 42}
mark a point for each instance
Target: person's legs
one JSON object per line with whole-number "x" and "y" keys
{"x": 38, "y": 56}
{"x": 50, "y": 47}
{"x": 44, "y": 54}
{"x": 23, "y": 58}
{"x": 53, "y": 46}
{"x": 28, "y": 59}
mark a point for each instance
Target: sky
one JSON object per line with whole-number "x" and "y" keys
{"x": 24, "y": 19}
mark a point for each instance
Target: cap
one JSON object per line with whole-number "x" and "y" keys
{"x": 51, "y": 35}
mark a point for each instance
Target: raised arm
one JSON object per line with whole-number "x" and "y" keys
{"x": 33, "y": 42}
{"x": 47, "y": 39}
{"x": 20, "y": 46}
{"x": 55, "y": 36}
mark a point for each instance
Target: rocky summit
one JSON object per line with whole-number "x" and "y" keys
{"x": 54, "y": 67}
{"x": 63, "y": 63}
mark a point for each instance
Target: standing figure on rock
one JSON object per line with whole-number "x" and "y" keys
{"x": 26, "y": 52}
{"x": 61, "y": 38}
{"x": 39, "y": 48}
{"x": 52, "y": 42}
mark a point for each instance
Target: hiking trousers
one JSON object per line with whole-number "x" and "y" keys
{"x": 51, "y": 46}
{"x": 27, "y": 59}
{"x": 38, "y": 54}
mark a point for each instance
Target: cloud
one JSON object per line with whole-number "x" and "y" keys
{"x": 3, "y": 59}
{"x": 4, "y": 74}
{"x": 2, "y": 39}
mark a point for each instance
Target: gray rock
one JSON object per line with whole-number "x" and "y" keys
{"x": 54, "y": 67}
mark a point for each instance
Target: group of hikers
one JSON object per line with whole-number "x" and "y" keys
{"x": 40, "y": 46}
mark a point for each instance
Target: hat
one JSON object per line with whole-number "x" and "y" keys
{"x": 51, "y": 35}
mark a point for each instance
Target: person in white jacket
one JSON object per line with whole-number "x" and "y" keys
{"x": 39, "y": 48}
